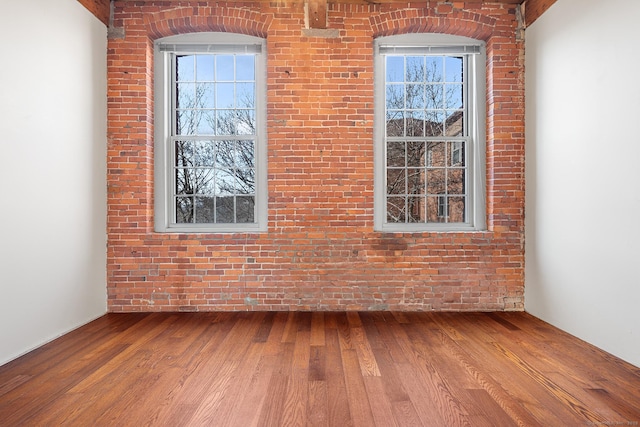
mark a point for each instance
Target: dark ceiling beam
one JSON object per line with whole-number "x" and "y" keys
{"x": 534, "y": 8}
{"x": 100, "y": 8}
{"x": 297, "y": 2}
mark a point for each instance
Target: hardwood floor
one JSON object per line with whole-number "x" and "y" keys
{"x": 325, "y": 369}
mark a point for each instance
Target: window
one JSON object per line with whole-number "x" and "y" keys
{"x": 442, "y": 203}
{"x": 430, "y": 120}
{"x": 457, "y": 155}
{"x": 210, "y": 133}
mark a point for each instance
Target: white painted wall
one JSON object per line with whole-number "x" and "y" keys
{"x": 52, "y": 171}
{"x": 583, "y": 172}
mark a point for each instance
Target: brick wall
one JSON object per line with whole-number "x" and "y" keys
{"x": 320, "y": 252}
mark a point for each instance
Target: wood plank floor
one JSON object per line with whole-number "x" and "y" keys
{"x": 319, "y": 369}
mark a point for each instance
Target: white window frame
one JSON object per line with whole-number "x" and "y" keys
{"x": 475, "y": 87}
{"x": 165, "y": 49}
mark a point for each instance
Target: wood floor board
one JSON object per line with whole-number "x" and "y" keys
{"x": 359, "y": 404}
{"x": 318, "y": 404}
{"x": 319, "y": 369}
{"x": 484, "y": 410}
{"x": 248, "y": 404}
{"x": 240, "y": 381}
{"x": 317, "y": 329}
{"x": 381, "y": 406}
{"x": 272, "y": 409}
{"x": 419, "y": 384}
{"x": 295, "y": 401}
{"x": 534, "y": 397}
{"x": 554, "y": 375}
{"x": 476, "y": 368}
{"x": 595, "y": 404}
{"x": 578, "y": 364}
{"x": 339, "y": 412}
{"x": 388, "y": 340}
{"x": 389, "y": 377}
{"x": 627, "y": 411}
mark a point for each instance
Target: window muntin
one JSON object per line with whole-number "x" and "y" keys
{"x": 429, "y": 144}
{"x": 213, "y": 174}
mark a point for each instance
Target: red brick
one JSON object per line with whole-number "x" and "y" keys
{"x": 320, "y": 252}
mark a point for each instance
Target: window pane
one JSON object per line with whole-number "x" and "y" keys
{"x": 184, "y": 182}
{"x": 225, "y": 96}
{"x": 204, "y": 153}
{"x": 453, "y": 68}
{"x": 185, "y": 68}
{"x": 434, "y": 96}
{"x": 245, "y": 122}
{"x": 225, "y": 209}
{"x": 204, "y": 210}
{"x": 455, "y": 182}
{"x": 244, "y": 154}
{"x": 186, "y": 116}
{"x": 395, "y": 69}
{"x": 225, "y": 182}
{"x": 416, "y": 209}
{"x": 434, "y": 123}
{"x": 184, "y": 210}
{"x": 395, "y": 123}
{"x": 245, "y": 67}
{"x": 437, "y": 154}
{"x": 436, "y": 181}
{"x": 414, "y": 69}
{"x": 434, "y": 69}
{"x": 415, "y": 181}
{"x": 436, "y": 209}
{"x": 456, "y": 150}
{"x": 225, "y": 152}
{"x": 186, "y": 95}
{"x": 205, "y": 94}
{"x": 414, "y": 124}
{"x": 416, "y": 153}
{"x": 454, "y": 124}
{"x": 395, "y": 96}
{"x": 453, "y": 96}
{"x": 194, "y": 181}
{"x": 396, "y": 181}
{"x": 245, "y": 209}
{"x": 204, "y": 68}
{"x": 206, "y": 123}
{"x": 456, "y": 209}
{"x": 396, "y": 209}
{"x": 395, "y": 153}
{"x": 245, "y": 95}
{"x": 224, "y": 68}
{"x": 186, "y": 122}
{"x": 225, "y": 122}
{"x": 414, "y": 96}
{"x": 184, "y": 153}
{"x": 245, "y": 180}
